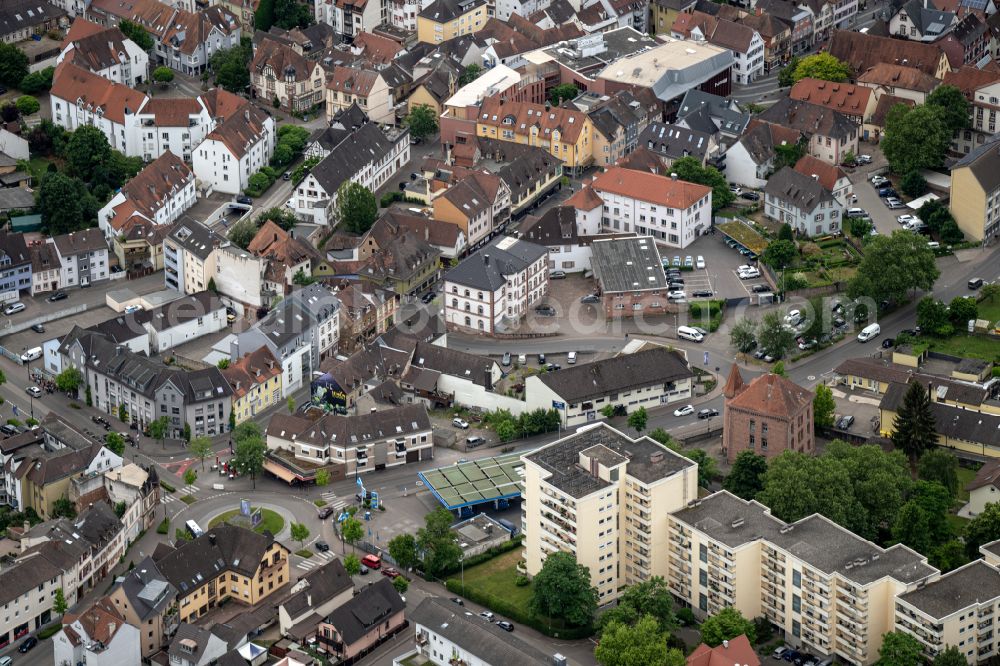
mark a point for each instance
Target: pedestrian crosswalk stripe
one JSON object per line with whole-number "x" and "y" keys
{"x": 166, "y": 499}
{"x": 189, "y": 490}
{"x": 327, "y": 555}
{"x": 307, "y": 565}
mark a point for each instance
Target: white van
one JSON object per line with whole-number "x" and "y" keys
{"x": 868, "y": 332}
{"x": 571, "y": 357}
{"x": 32, "y": 354}
{"x": 688, "y": 333}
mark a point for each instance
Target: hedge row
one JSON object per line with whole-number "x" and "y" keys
{"x": 505, "y": 547}
{"x": 516, "y": 613}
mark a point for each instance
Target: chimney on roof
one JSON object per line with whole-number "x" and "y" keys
{"x": 725, "y": 644}
{"x": 211, "y": 538}
{"x": 673, "y": 176}
{"x": 815, "y": 176}
{"x": 246, "y": 114}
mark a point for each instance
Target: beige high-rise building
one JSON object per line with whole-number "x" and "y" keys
{"x": 830, "y": 591}
{"x": 604, "y": 497}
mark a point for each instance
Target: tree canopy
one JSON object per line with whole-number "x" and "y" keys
{"x": 562, "y": 589}
{"x": 900, "y": 649}
{"x": 289, "y": 14}
{"x": 743, "y": 335}
{"x": 982, "y": 529}
{"x": 940, "y": 466}
{"x": 692, "y": 171}
{"x": 780, "y": 253}
{"x": 724, "y": 625}
{"x": 823, "y": 66}
{"x": 248, "y": 457}
{"x": 893, "y": 265}
{"x": 916, "y": 138}
{"x": 403, "y": 549}
{"x": 746, "y": 478}
{"x": 357, "y": 209}
{"x": 470, "y": 74}
{"x": 136, "y": 33}
{"x": 231, "y": 66}
{"x": 163, "y": 74}
{"x": 563, "y": 92}
{"x": 422, "y": 121}
{"x": 437, "y": 542}
{"x": 913, "y": 429}
{"x": 823, "y": 406}
{"x": 13, "y": 65}
{"x": 953, "y": 105}
{"x": 650, "y": 598}
{"x": 774, "y": 337}
{"x": 65, "y": 204}
{"x": 640, "y": 643}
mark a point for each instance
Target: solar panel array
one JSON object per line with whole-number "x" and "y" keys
{"x": 476, "y": 481}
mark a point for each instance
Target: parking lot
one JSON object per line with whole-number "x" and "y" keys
{"x": 720, "y": 269}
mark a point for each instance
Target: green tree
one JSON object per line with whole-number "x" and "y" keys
{"x": 638, "y": 419}
{"x": 789, "y": 154}
{"x": 290, "y": 403}
{"x": 158, "y": 429}
{"x": 935, "y": 215}
{"x": 190, "y": 476}
{"x": 115, "y": 442}
{"x": 231, "y": 66}
{"x": 648, "y": 599}
{"x": 780, "y": 253}
{"x": 247, "y": 430}
{"x": 949, "y": 556}
{"x": 136, "y": 33}
{"x": 88, "y": 149}
{"x": 746, "y": 478}
{"x": 241, "y": 233}
{"x": 779, "y": 369}
{"x": 797, "y": 485}
{"x": 913, "y": 428}
{"x": 950, "y": 657}
{"x": 69, "y": 380}
{"x": 352, "y": 564}
{"x": 401, "y": 584}
{"x": 900, "y": 649}
{"x": 352, "y": 531}
{"x": 63, "y": 508}
{"x": 785, "y": 232}
{"x": 859, "y": 227}
{"x": 403, "y": 549}
{"x": 506, "y": 430}
{"x": 163, "y": 75}
{"x": 893, "y": 265}
{"x": 786, "y": 77}
{"x": 934, "y": 500}
{"x": 911, "y": 527}
{"x": 990, "y": 292}
{"x": 932, "y": 317}
{"x": 913, "y": 184}
{"x": 469, "y": 74}
{"x": 422, "y": 121}
{"x": 438, "y": 544}
{"x": 122, "y": 413}
{"x": 13, "y": 65}
{"x": 289, "y": 14}
{"x": 356, "y": 207}
{"x": 961, "y": 310}
{"x": 59, "y": 605}
{"x": 120, "y": 508}
{"x": 707, "y": 467}
{"x": 200, "y": 448}
{"x": 300, "y": 532}
{"x": 743, "y": 335}
{"x": 823, "y": 406}
{"x": 724, "y": 625}
{"x": 37, "y": 82}
{"x": 940, "y": 466}
{"x": 691, "y": 170}
{"x": 822, "y": 66}
{"x": 27, "y": 105}
{"x": 641, "y": 643}
{"x": 915, "y": 138}
{"x": 663, "y": 437}
{"x": 562, "y": 589}
{"x": 249, "y": 457}
{"x": 65, "y": 204}
{"x": 984, "y": 528}
{"x": 263, "y": 17}
{"x": 955, "y": 108}
{"x": 322, "y": 477}
{"x": 879, "y": 483}
{"x": 774, "y": 337}
{"x": 563, "y": 92}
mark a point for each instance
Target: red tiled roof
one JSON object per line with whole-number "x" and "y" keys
{"x": 241, "y": 130}
{"x": 734, "y": 651}
{"x": 863, "y": 51}
{"x": 73, "y": 83}
{"x": 353, "y": 80}
{"x": 80, "y": 29}
{"x": 376, "y": 49}
{"x": 524, "y": 115}
{"x": 661, "y": 190}
{"x": 968, "y": 78}
{"x": 151, "y": 187}
{"x": 899, "y": 76}
{"x": 772, "y": 394}
{"x": 847, "y": 98}
{"x": 828, "y": 174}
{"x": 585, "y": 199}
{"x": 254, "y": 369}
{"x": 172, "y": 111}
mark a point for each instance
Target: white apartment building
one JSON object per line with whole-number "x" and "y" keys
{"x": 240, "y": 275}
{"x": 403, "y": 14}
{"x": 159, "y": 193}
{"x": 83, "y": 257}
{"x": 673, "y": 212}
{"x": 107, "y": 53}
{"x": 827, "y": 590}
{"x": 602, "y": 496}
{"x": 235, "y": 150}
{"x": 496, "y": 286}
{"x": 351, "y": 18}
{"x": 189, "y": 254}
{"x": 802, "y": 202}
{"x": 99, "y": 635}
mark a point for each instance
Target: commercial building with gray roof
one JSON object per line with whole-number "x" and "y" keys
{"x": 628, "y": 265}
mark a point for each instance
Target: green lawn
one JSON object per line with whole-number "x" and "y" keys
{"x": 497, "y": 577}
{"x": 969, "y": 346}
{"x": 305, "y": 552}
{"x": 957, "y": 524}
{"x": 189, "y": 499}
{"x": 270, "y": 521}
{"x": 990, "y": 310}
{"x": 965, "y": 477}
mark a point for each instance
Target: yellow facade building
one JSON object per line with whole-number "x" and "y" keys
{"x": 256, "y": 383}
{"x": 446, "y": 19}
{"x": 565, "y": 133}
{"x": 975, "y": 192}
{"x": 603, "y": 496}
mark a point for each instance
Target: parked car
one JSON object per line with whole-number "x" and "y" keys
{"x": 591, "y": 298}
{"x": 13, "y": 307}
{"x": 459, "y": 423}
{"x": 879, "y": 181}
{"x": 863, "y": 159}
{"x": 779, "y": 652}
{"x": 428, "y": 297}
{"x": 675, "y": 295}
{"x": 244, "y": 199}
{"x": 686, "y": 410}
{"x": 702, "y": 294}
{"x": 322, "y": 546}
{"x": 707, "y": 413}
{"x": 893, "y": 203}
{"x": 487, "y": 615}
{"x": 325, "y": 512}
{"x": 887, "y": 191}
{"x": 545, "y": 311}
{"x": 38, "y": 328}
{"x": 28, "y": 643}
{"x": 699, "y": 263}
{"x": 689, "y": 261}
{"x": 552, "y": 367}
{"x": 522, "y": 359}
{"x": 505, "y": 360}
{"x": 760, "y": 288}
{"x": 906, "y": 218}
{"x": 364, "y": 570}
{"x": 541, "y": 359}
{"x": 791, "y": 655}
{"x": 472, "y": 442}
{"x": 751, "y": 196}
{"x": 912, "y": 332}
{"x": 58, "y": 296}
{"x": 735, "y": 189}
{"x": 845, "y": 422}
{"x": 458, "y": 601}
{"x": 805, "y": 345}
{"x": 557, "y": 275}
{"x": 391, "y": 572}
{"x": 888, "y": 342}
{"x": 505, "y": 625}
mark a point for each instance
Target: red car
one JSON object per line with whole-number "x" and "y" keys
{"x": 389, "y": 572}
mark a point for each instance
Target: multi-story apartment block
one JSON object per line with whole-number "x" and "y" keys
{"x": 255, "y": 381}
{"x": 975, "y": 191}
{"x": 159, "y": 194}
{"x": 442, "y": 20}
{"x": 673, "y": 212}
{"x": 768, "y": 416}
{"x": 279, "y": 72}
{"x": 118, "y": 378}
{"x": 496, "y": 286}
{"x": 189, "y": 257}
{"x": 140, "y": 491}
{"x": 145, "y": 597}
{"x": 83, "y": 256}
{"x": 831, "y": 134}
{"x": 958, "y": 609}
{"x": 324, "y": 307}
{"x": 228, "y": 563}
{"x": 105, "y": 52}
{"x": 368, "y": 311}
{"x": 287, "y": 331}
{"x": 827, "y": 590}
{"x": 801, "y": 201}
{"x": 350, "y": 18}
{"x": 348, "y": 445}
{"x": 364, "y": 86}
{"x": 235, "y": 150}
{"x": 45, "y": 268}
{"x": 479, "y": 204}
{"x": 15, "y": 263}
{"x": 601, "y": 496}
{"x": 566, "y": 133}
{"x": 97, "y": 635}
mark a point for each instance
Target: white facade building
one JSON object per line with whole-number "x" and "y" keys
{"x": 109, "y": 54}
{"x": 234, "y": 151}
{"x": 83, "y": 257}
{"x": 159, "y": 193}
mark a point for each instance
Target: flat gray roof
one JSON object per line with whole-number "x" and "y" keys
{"x": 975, "y": 583}
{"x": 628, "y": 264}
